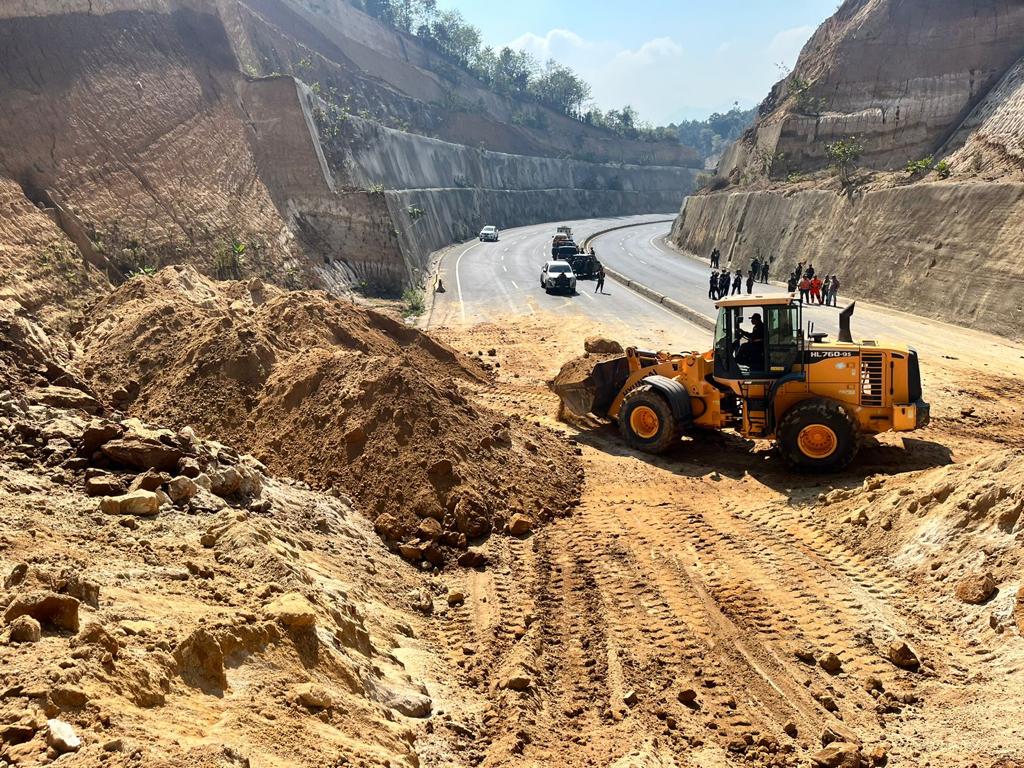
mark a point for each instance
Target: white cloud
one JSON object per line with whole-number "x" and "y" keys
{"x": 617, "y": 74}
{"x": 663, "y": 79}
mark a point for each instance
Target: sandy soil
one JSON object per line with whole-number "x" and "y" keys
{"x": 705, "y": 608}
{"x": 685, "y": 614}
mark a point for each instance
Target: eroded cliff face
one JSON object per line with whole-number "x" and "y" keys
{"x": 907, "y": 79}
{"x": 140, "y": 134}
{"x": 142, "y": 144}
{"x": 900, "y": 75}
{"x": 950, "y": 251}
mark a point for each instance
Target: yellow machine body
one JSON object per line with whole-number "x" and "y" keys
{"x": 771, "y": 381}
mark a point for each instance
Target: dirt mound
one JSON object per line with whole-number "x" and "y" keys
{"x": 955, "y": 528}
{"x": 331, "y": 394}
{"x": 235, "y": 598}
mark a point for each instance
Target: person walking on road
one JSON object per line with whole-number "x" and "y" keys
{"x": 713, "y": 286}
{"x": 716, "y": 257}
{"x": 805, "y": 289}
{"x": 723, "y": 284}
{"x": 750, "y": 282}
{"x": 755, "y": 267}
{"x": 737, "y": 283}
{"x": 764, "y": 272}
{"x": 791, "y": 285}
{"x": 600, "y": 281}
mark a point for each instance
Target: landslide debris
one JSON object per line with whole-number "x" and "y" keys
{"x": 203, "y": 591}
{"x": 334, "y": 395}
{"x": 955, "y": 529}
{"x": 589, "y": 383}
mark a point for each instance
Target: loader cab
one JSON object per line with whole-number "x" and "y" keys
{"x": 757, "y": 337}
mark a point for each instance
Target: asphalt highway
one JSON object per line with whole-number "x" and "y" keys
{"x": 490, "y": 282}
{"x": 642, "y": 254}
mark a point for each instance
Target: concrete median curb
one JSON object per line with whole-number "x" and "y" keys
{"x": 685, "y": 312}
{"x": 671, "y": 305}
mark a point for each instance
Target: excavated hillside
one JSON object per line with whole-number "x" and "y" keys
{"x": 333, "y": 395}
{"x": 235, "y": 135}
{"x": 941, "y": 238}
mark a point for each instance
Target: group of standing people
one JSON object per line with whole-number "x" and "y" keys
{"x": 814, "y": 289}
{"x": 721, "y": 281}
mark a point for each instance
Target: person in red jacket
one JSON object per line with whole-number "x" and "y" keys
{"x": 816, "y": 290}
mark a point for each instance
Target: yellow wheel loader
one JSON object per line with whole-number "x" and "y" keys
{"x": 766, "y": 379}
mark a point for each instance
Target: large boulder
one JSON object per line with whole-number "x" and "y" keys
{"x": 104, "y": 485}
{"x": 138, "y": 503}
{"x": 902, "y": 656}
{"x": 976, "y": 588}
{"x": 64, "y": 397}
{"x": 839, "y": 754}
{"x": 61, "y": 737}
{"x": 48, "y": 608}
{"x": 598, "y": 345}
{"x": 181, "y": 489}
{"x": 143, "y": 454}
{"x": 25, "y": 629}
{"x": 97, "y": 434}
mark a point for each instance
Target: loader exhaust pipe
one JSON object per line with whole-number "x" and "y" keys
{"x": 844, "y": 324}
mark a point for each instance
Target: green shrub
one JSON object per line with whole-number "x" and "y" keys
{"x": 844, "y": 154}
{"x": 943, "y": 169}
{"x": 920, "y": 167}
{"x": 414, "y": 301}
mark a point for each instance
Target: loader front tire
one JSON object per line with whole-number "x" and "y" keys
{"x": 817, "y": 436}
{"x": 646, "y": 421}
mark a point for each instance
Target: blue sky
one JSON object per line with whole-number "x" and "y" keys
{"x": 671, "y": 59}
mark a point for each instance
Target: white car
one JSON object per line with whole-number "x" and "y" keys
{"x": 489, "y": 234}
{"x": 558, "y": 276}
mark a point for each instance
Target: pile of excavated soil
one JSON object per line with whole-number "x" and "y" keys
{"x": 334, "y": 395}
{"x": 165, "y": 603}
{"x": 586, "y": 386}
{"x": 955, "y": 530}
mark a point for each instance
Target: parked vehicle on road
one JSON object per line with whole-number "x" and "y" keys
{"x": 562, "y": 239}
{"x": 584, "y": 265}
{"x": 489, "y": 234}
{"x": 558, "y": 277}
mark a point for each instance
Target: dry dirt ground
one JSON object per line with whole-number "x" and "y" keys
{"x": 705, "y": 608}
{"x": 688, "y": 612}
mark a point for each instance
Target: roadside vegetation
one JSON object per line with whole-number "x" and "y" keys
{"x": 517, "y": 74}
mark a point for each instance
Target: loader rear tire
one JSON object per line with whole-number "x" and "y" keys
{"x": 818, "y": 436}
{"x": 647, "y": 422}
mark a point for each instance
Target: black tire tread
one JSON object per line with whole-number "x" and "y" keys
{"x": 668, "y": 437}
{"x": 820, "y": 411}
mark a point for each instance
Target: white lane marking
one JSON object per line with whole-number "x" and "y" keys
{"x": 514, "y": 284}
{"x": 587, "y": 294}
{"x": 504, "y": 267}
{"x": 458, "y": 281}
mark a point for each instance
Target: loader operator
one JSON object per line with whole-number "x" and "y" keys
{"x": 751, "y": 350}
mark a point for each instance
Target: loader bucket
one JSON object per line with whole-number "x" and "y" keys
{"x": 590, "y": 384}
